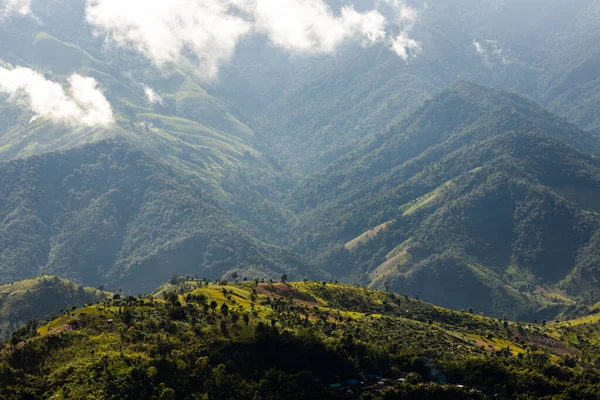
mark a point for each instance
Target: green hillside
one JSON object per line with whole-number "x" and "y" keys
{"x": 485, "y": 197}
{"x": 107, "y": 213}
{"x": 308, "y": 340}
{"x": 38, "y": 298}
{"x": 190, "y": 129}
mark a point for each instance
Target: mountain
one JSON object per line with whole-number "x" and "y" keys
{"x": 184, "y": 125}
{"x": 39, "y": 298}
{"x": 107, "y": 213}
{"x": 570, "y": 82}
{"x": 337, "y": 102}
{"x": 353, "y": 157}
{"x": 307, "y": 340}
{"x": 463, "y": 106}
{"x": 479, "y": 197}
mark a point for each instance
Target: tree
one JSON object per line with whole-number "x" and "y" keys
{"x": 202, "y": 364}
{"x": 235, "y": 318}
{"x": 224, "y": 309}
{"x": 167, "y": 394}
{"x": 213, "y": 306}
{"x": 284, "y": 278}
{"x": 127, "y": 317}
{"x": 246, "y": 319}
{"x": 470, "y": 310}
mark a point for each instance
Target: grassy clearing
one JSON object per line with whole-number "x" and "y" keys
{"x": 428, "y": 199}
{"x": 367, "y": 236}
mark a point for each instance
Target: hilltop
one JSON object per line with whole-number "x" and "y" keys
{"x": 291, "y": 340}
{"x": 39, "y": 298}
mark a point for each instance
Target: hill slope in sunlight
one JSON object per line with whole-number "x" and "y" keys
{"x": 294, "y": 341}
{"x": 38, "y": 298}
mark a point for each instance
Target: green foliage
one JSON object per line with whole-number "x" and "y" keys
{"x": 36, "y": 299}
{"x": 470, "y": 191}
{"x": 112, "y": 215}
{"x": 299, "y": 344}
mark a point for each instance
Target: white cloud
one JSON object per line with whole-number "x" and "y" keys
{"x": 83, "y": 104}
{"x": 405, "y": 15}
{"x": 405, "y": 18}
{"x": 165, "y": 31}
{"x": 14, "y": 7}
{"x": 151, "y": 96}
{"x": 309, "y": 26}
{"x": 405, "y": 47}
{"x": 170, "y": 31}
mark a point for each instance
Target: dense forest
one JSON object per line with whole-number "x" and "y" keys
{"x": 479, "y": 194}
{"x": 108, "y": 214}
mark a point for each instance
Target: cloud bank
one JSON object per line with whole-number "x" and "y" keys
{"x": 405, "y": 47}
{"x": 309, "y": 26}
{"x": 14, "y": 7}
{"x": 83, "y": 104}
{"x": 170, "y": 31}
{"x": 405, "y": 17}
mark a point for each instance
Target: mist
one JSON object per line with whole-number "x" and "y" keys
{"x": 82, "y": 104}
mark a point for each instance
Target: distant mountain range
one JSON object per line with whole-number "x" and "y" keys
{"x": 108, "y": 213}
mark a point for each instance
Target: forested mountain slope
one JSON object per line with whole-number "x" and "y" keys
{"x": 547, "y": 52}
{"x": 477, "y": 197}
{"x": 214, "y": 170}
{"x": 182, "y": 124}
{"x": 464, "y": 114}
{"x": 106, "y": 212}
{"x": 571, "y": 80}
{"x": 308, "y": 340}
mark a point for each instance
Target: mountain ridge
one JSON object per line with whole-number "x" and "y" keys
{"x": 107, "y": 212}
